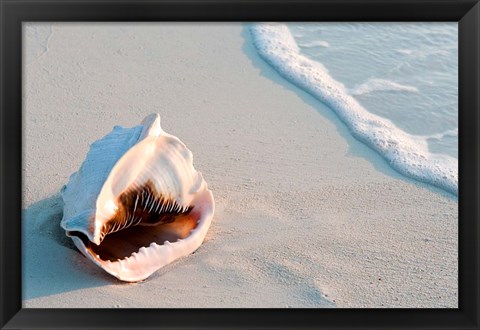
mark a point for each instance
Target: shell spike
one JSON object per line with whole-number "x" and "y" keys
{"x": 151, "y": 126}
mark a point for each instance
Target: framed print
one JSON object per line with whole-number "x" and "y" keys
{"x": 271, "y": 164}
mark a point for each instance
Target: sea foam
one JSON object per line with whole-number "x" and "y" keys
{"x": 406, "y": 153}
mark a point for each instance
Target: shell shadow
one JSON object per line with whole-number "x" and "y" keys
{"x": 47, "y": 215}
{"x": 51, "y": 264}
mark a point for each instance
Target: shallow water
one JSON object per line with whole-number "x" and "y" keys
{"x": 395, "y": 85}
{"x": 406, "y": 72}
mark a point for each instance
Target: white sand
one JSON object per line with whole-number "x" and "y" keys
{"x": 306, "y": 215}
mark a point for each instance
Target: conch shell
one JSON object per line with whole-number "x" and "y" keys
{"x": 137, "y": 203}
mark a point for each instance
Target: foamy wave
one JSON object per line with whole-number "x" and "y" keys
{"x": 377, "y": 85}
{"x": 406, "y": 153}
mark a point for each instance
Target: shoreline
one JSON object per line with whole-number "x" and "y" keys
{"x": 306, "y": 215}
{"x": 277, "y": 47}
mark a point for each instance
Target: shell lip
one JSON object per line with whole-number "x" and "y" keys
{"x": 141, "y": 261}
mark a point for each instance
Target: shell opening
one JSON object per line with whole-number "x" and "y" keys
{"x": 143, "y": 217}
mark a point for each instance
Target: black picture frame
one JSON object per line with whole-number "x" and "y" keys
{"x": 14, "y": 12}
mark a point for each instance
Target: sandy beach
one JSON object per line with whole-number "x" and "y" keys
{"x": 306, "y": 215}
